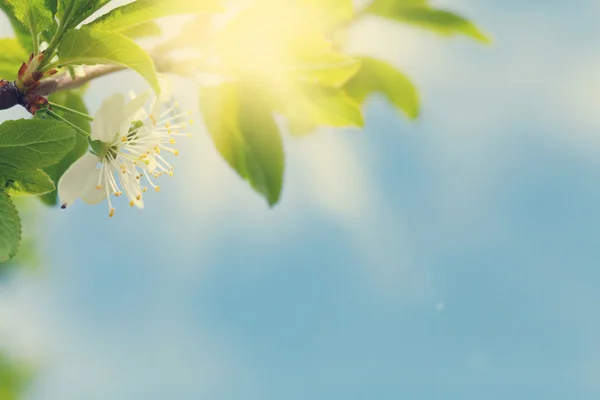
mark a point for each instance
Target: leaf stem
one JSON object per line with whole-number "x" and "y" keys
{"x": 34, "y": 39}
{"x": 79, "y": 131}
{"x": 70, "y": 110}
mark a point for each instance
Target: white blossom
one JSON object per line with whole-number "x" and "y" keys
{"x": 128, "y": 145}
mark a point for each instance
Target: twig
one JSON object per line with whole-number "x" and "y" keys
{"x": 64, "y": 81}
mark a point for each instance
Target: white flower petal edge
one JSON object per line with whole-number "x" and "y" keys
{"x": 75, "y": 179}
{"x": 131, "y": 111}
{"x": 132, "y": 152}
{"x": 108, "y": 119}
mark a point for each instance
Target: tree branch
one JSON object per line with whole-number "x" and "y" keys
{"x": 64, "y": 81}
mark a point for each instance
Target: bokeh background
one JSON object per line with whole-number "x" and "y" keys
{"x": 452, "y": 258}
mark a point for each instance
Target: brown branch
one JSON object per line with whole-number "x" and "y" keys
{"x": 64, "y": 81}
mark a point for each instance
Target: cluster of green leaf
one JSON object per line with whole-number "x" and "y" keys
{"x": 274, "y": 59}
{"x": 26, "y": 147}
{"x": 285, "y": 59}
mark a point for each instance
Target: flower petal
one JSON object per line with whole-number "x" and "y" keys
{"x": 73, "y": 182}
{"x": 91, "y": 194}
{"x": 130, "y": 111}
{"x": 108, "y": 119}
{"x": 166, "y": 96}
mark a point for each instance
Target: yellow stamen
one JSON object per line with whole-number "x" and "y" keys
{"x": 157, "y": 189}
{"x": 111, "y": 213}
{"x": 131, "y": 203}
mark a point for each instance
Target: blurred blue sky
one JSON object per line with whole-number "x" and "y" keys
{"x": 452, "y": 258}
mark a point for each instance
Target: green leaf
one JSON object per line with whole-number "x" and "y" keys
{"x": 377, "y": 76}
{"x": 10, "y": 228}
{"x": 147, "y": 29}
{"x": 90, "y": 46}
{"x": 35, "y": 15}
{"x": 142, "y": 11}
{"x": 74, "y": 101}
{"x": 419, "y": 13}
{"x": 34, "y": 143}
{"x": 11, "y": 58}
{"x": 26, "y": 182}
{"x": 72, "y": 12}
{"x": 244, "y": 132}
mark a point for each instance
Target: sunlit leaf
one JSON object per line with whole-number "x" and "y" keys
{"x": 379, "y": 77}
{"x": 419, "y": 13}
{"x": 142, "y": 11}
{"x": 285, "y": 37}
{"x": 12, "y": 56}
{"x": 90, "y": 46}
{"x": 147, "y": 29}
{"x": 198, "y": 34}
{"x": 329, "y": 70}
{"x": 311, "y": 106}
{"x": 244, "y": 132}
